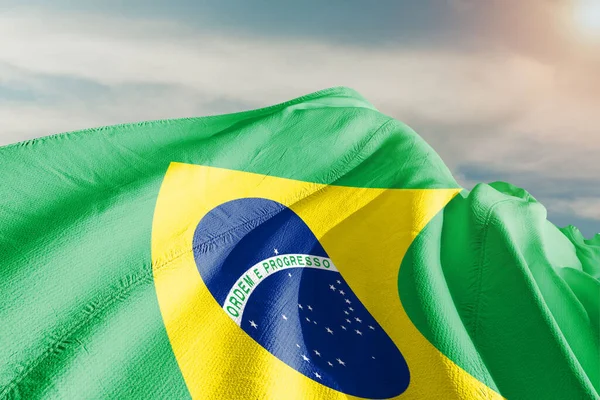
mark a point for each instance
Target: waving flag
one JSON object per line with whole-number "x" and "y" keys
{"x": 313, "y": 249}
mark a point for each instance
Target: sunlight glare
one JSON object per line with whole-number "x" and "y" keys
{"x": 587, "y": 15}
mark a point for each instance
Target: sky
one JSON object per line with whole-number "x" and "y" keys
{"x": 501, "y": 89}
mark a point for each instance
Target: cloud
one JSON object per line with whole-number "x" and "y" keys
{"x": 508, "y": 110}
{"x": 588, "y": 208}
{"x": 437, "y": 86}
{"x": 534, "y": 25}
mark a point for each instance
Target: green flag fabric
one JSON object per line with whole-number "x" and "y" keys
{"x": 511, "y": 296}
{"x": 127, "y": 256}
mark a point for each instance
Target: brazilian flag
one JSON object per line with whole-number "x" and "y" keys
{"x": 316, "y": 249}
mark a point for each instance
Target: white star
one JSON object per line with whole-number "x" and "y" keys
{"x": 300, "y": 306}
{"x": 297, "y": 345}
{"x": 371, "y": 327}
{"x": 358, "y": 332}
{"x": 290, "y": 275}
{"x": 329, "y": 330}
{"x": 341, "y": 362}
{"x": 331, "y": 287}
{"x": 305, "y": 358}
{"x": 330, "y": 364}
{"x": 283, "y": 316}
{"x": 350, "y": 308}
{"x": 315, "y": 322}
{"x": 357, "y": 319}
{"x": 348, "y": 321}
{"x": 343, "y": 327}
{"x": 372, "y": 357}
{"x": 342, "y": 292}
{"x": 346, "y": 312}
{"x": 317, "y": 375}
{"x": 339, "y": 283}
{"x": 317, "y": 353}
{"x": 310, "y": 308}
{"x": 253, "y": 324}
{"x": 276, "y": 251}
{"x": 308, "y": 319}
{"x": 348, "y": 301}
